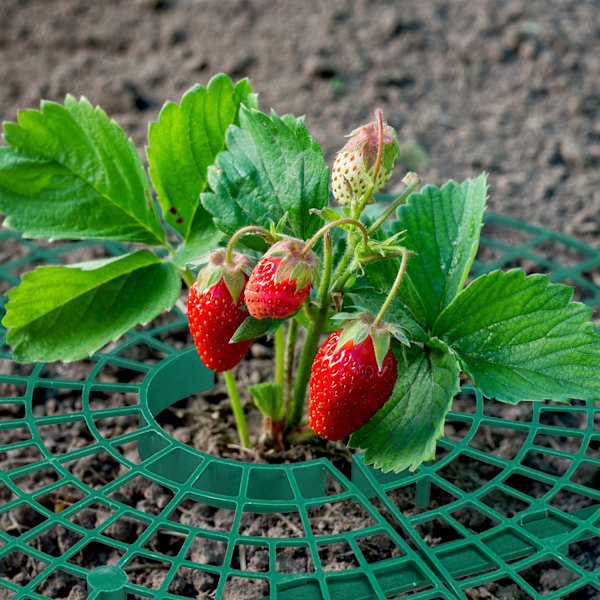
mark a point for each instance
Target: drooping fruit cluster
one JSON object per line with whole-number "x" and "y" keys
{"x": 281, "y": 281}
{"x": 347, "y": 387}
{"x": 354, "y": 165}
{"x": 214, "y": 311}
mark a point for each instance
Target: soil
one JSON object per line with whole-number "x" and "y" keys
{"x": 512, "y": 88}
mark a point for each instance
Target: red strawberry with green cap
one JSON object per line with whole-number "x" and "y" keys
{"x": 214, "y": 310}
{"x": 352, "y": 377}
{"x": 354, "y": 165}
{"x": 280, "y": 281}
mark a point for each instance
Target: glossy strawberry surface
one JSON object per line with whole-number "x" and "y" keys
{"x": 346, "y": 387}
{"x": 267, "y": 298}
{"x": 213, "y": 318}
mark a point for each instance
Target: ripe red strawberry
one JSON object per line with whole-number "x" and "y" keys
{"x": 280, "y": 282}
{"x": 214, "y": 315}
{"x": 354, "y": 164}
{"x": 346, "y": 386}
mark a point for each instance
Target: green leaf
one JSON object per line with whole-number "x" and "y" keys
{"x": 68, "y": 312}
{"x": 520, "y": 338}
{"x": 252, "y": 328}
{"x": 268, "y": 397}
{"x": 71, "y": 173}
{"x": 183, "y": 143}
{"x": 442, "y": 227}
{"x": 271, "y": 166}
{"x": 403, "y": 434}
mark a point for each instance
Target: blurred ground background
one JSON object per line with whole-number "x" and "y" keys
{"x": 512, "y": 88}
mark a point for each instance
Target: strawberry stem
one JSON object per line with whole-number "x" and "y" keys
{"x": 187, "y": 276}
{"x": 243, "y": 231}
{"x": 311, "y": 343}
{"x": 394, "y": 289}
{"x": 280, "y": 357}
{"x": 315, "y": 238}
{"x": 412, "y": 180}
{"x": 238, "y": 411}
{"x": 290, "y": 355}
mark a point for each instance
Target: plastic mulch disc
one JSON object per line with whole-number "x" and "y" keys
{"x": 510, "y": 505}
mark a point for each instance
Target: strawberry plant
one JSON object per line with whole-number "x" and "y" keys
{"x": 236, "y": 206}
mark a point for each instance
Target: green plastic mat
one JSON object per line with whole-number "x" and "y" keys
{"x": 510, "y": 506}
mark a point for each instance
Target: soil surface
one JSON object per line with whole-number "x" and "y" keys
{"x": 512, "y": 88}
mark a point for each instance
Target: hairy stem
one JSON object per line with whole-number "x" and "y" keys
{"x": 243, "y": 231}
{"x": 394, "y": 289}
{"x": 187, "y": 276}
{"x": 311, "y": 343}
{"x": 411, "y": 185}
{"x": 290, "y": 355}
{"x": 314, "y": 239}
{"x": 238, "y": 411}
{"x": 280, "y": 357}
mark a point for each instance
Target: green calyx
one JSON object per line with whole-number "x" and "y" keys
{"x": 234, "y": 273}
{"x": 361, "y": 325}
{"x": 268, "y": 398}
{"x": 296, "y": 265}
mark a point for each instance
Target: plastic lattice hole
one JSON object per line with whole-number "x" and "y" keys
{"x": 12, "y": 435}
{"x": 272, "y": 525}
{"x": 503, "y": 442}
{"x": 36, "y": 480}
{"x": 5, "y": 593}
{"x": 193, "y": 583}
{"x": 96, "y": 470}
{"x": 337, "y": 557}
{"x": 548, "y": 576}
{"x": 99, "y": 400}
{"x": 6, "y": 494}
{"x": 474, "y": 520}
{"x": 437, "y": 531}
{"x": 206, "y": 550}
{"x": 20, "y": 519}
{"x": 20, "y": 568}
{"x": 504, "y": 503}
{"x": 97, "y": 553}
{"x": 112, "y": 427}
{"x": 468, "y": 473}
{"x": 150, "y": 573}
{"x": 113, "y": 373}
{"x": 293, "y": 559}
{"x": 143, "y": 493}
{"x": 378, "y": 547}
{"x": 92, "y": 516}
{"x": 405, "y": 498}
{"x": 126, "y": 529}
{"x": 25, "y": 455}
{"x": 142, "y": 352}
{"x": 338, "y": 517}
{"x": 569, "y": 501}
{"x": 531, "y": 486}
{"x": 572, "y": 419}
{"x": 587, "y": 592}
{"x": 587, "y": 473}
{"x": 65, "y": 436}
{"x": 60, "y": 584}
{"x": 250, "y": 557}
{"x": 501, "y": 589}
{"x": 199, "y": 514}
{"x": 48, "y": 401}
{"x": 165, "y": 541}
{"x": 78, "y": 371}
{"x": 547, "y": 463}
{"x": 12, "y": 410}
{"x": 245, "y": 588}
{"x": 586, "y": 553}
{"x": 56, "y": 540}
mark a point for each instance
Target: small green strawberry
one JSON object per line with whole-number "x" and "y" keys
{"x": 281, "y": 280}
{"x": 354, "y": 164}
{"x": 214, "y": 310}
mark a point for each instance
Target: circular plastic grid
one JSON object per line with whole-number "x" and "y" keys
{"x": 513, "y": 492}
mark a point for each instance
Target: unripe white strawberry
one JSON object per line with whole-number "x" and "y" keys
{"x": 355, "y": 163}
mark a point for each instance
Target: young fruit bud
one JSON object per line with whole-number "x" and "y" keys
{"x": 281, "y": 280}
{"x": 214, "y": 310}
{"x": 354, "y": 165}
